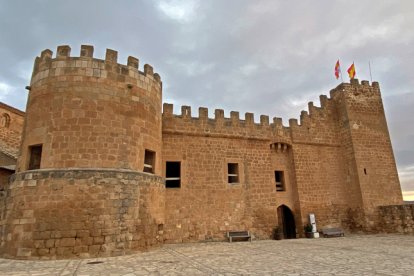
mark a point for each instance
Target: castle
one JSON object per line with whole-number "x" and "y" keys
{"x": 103, "y": 169}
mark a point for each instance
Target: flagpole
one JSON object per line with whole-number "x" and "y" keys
{"x": 370, "y": 75}
{"x": 353, "y": 65}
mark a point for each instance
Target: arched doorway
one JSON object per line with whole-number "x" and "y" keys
{"x": 286, "y": 222}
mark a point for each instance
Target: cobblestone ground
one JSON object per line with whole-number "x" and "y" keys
{"x": 352, "y": 255}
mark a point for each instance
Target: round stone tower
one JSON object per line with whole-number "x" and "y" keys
{"x": 88, "y": 181}
{"x": 90, "y": 113}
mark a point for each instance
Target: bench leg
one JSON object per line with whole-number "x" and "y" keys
{"x": 230, "y": 239}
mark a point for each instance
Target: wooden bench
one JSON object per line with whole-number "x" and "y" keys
{"x": 239, "y": 234}
{"x": 333, "y": 232}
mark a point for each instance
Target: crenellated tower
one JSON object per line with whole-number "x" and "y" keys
{"x": 371, "y": 171}
{"x": 88, "y": 180}
{"x": 89, "y": 113}
{"x": 344, "y": 163}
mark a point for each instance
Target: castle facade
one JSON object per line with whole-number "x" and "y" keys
{"x": 104, "y": 169}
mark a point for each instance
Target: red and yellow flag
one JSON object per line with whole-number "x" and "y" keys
{"x": 351, "y": 71}
{"x": 337, "y": 69}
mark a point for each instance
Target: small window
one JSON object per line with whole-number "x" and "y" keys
{"x": 35, "y": 153}
{"x": 5, "y": 120}
{"x": 149, "y": 161}
{"x": 280, "y": 181}
{"x": 173, "y": 175}
{"x": 233, "y": 172}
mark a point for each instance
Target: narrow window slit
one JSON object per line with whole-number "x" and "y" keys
{"x": 233, "y": 173}
{"x": 35, "y": 157}
{"x": 149, "y": 161}
{"x": 280, "y": 181}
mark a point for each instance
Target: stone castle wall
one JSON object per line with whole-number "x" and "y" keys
{"x": 11, "y": 119}
{"x": 96, "y": 119}
{"x": 323, "y": 175}
{"x": 318, "y": 164}
{"x": 206, "y": 205}
{"x": 11, "y": 125}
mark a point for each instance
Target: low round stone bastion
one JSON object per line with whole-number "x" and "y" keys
{"x": 73, "y": 213}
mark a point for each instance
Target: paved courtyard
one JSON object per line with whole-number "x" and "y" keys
{"x": 352, "y": 255}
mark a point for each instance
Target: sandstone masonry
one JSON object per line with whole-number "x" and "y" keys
{"x": 104, "y": 170}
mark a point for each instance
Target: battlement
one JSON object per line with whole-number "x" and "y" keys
{"x": 316, "y": 125}
{"x": 313, "y": 112}
{"x": 325, "y": 102}
{"x": 219, "y": 116}
{"x": 355, "y": 86}
{"x": 222, "y": 126}
{"x": 86, "y": 65}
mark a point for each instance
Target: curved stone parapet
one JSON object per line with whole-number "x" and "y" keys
{"x": 85, "y": 213}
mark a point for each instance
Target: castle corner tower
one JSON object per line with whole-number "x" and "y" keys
{"x": 87, "y": 181}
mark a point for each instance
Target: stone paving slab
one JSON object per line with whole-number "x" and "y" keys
{"x": 351, "y": 255}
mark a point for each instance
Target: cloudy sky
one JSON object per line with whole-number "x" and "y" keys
{"x": 267, "y": 57}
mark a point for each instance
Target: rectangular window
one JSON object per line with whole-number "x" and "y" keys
{"x": 173, "y": 175}
{"x": 233, "y": 172}
{"x": 35, "y": 153}
{"x": 280, "y": 181}
{"x": 149, "y": 161}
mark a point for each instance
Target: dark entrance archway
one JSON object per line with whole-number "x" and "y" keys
{"x": 286, "y": 222}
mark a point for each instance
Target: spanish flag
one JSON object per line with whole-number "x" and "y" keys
{"x": 337, "y": 69}
{"x": 351, "y": 71}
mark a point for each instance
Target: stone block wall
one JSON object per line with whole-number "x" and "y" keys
{"x": 80, "y": 213}
{"x": 396, "y": 219}
{"x": 11, "y": 126}
{"x": 322, "y": 185}
{"x": 319, "y": 167}
{"x": 282, "y": 160}
{"x": 206, "y": 205}
{"x": 11, "y": 118}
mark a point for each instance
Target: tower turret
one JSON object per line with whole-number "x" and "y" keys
{"x": 367, "y": 151}
{"x": 84, "y": 112}
{"x": 88, "y": 178}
